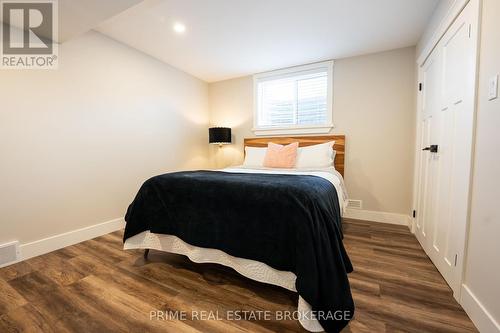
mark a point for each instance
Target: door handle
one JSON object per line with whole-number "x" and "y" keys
{"x": 432, "y": 148}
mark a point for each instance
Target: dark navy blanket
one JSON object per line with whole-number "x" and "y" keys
{"x": 289, "y": 222}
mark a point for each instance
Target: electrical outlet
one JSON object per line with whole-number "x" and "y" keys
{"x": 493, "y": 88}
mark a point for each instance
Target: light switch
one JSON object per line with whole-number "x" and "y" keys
{"x": 493, "y": 88}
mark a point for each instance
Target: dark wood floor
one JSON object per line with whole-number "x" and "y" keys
{"x": 95, "y": 286}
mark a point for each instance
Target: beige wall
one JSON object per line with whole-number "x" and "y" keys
{"x": 482, "y": 270}
{"x": 77, "y": 142}
{"x": 374, "y": 106}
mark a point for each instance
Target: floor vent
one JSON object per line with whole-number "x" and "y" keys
{"x": 354, "y": 204}
{"x": 9, "y": 253}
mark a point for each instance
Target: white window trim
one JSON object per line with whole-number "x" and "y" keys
{"x": 298, "y": 129}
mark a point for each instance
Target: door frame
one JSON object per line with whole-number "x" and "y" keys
{"x": 447, "y": 22}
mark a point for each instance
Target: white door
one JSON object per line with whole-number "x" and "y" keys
{"x": 431, "y": 106}
{"x": 446, "y": 138}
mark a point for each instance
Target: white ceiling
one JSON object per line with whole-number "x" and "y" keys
{"x": 231, "y": 38}
{"x": 77, "y": 16}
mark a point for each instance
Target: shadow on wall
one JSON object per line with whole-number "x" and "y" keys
{"x": 360, "y": 187}
{"x": 184, "y": 150}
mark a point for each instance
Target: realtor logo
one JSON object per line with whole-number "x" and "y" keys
{"x": 29, "y": 34}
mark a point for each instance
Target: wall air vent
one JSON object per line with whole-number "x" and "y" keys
{"x": 354, "y": 204}
{"x": 9, "y": 253}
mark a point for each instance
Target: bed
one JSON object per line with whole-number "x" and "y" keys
{"x": 276, "y": 226}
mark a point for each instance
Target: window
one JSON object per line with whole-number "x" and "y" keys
{"x": 295, "y": 100}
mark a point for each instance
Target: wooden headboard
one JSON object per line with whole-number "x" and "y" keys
{"x": 305, "y": 141}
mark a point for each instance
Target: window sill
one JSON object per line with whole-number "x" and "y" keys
{"x": 293, "y": 130}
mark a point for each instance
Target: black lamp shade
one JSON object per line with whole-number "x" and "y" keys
{"x": 219, "y": 135}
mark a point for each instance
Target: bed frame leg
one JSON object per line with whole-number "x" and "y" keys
{"x": 146, "y": 252}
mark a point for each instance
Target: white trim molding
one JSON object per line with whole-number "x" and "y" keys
{"x": 293, "y": 130}
{"x": 313, "y": 68}
{"x": 56, "y": 242}
{"x": 382, "y": 217}
{"x": 479, "y": 315}
{"x": 453, "y": 12}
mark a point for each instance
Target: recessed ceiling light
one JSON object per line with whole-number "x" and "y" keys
{"x": 179, "y": 27}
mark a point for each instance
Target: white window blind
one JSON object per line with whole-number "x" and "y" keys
{"x": 294, "y": 98}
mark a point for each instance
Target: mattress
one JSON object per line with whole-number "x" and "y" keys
{"x": 251, "y": 269}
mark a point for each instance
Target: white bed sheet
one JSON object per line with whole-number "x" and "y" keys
{"x": 252, "y": 269}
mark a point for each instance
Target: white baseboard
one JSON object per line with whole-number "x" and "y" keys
{"x": 483, "y": 320}
{"x": 383, "y": 217}
{"x": 49, "y": 244}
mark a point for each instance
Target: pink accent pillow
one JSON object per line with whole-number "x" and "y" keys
{"x": 278, "y": 156}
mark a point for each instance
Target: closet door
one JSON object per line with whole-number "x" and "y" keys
{"x": 430, "y": 130}
{"x": 447, "y": 122}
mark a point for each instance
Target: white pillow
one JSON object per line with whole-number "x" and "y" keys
{"x": 254, "y": 156}
{"x": 316, "y": 156}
